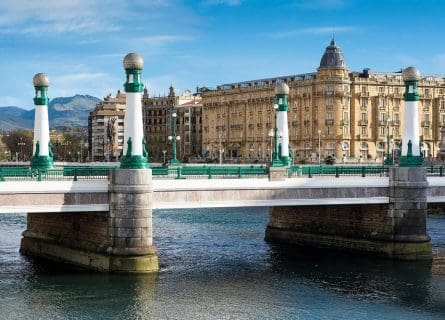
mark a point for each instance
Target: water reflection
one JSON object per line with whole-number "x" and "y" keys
{"x": 216, "y": 265}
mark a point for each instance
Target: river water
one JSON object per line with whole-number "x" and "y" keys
{"x": 216, "y": 265}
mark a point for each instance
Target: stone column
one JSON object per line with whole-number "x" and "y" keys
{"x": 42, "y": 154}
{"x": 130, "y": 221}
{"x": 408, "y": 190}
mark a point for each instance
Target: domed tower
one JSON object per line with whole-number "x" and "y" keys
{"x": 42, "y": 154}
{"x": 332, "y": 87}
{"x": 135, "y": 154}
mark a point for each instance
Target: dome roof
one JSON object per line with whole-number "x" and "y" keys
{"x": 133, "y": 61}
{"x": 332, "y": 57}
{"x": 411, "y": 74}
{"x": 40, "y": 80}
{"x": 282, "y": 88}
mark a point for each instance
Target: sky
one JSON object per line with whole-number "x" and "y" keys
{"x": 80, "y": 44}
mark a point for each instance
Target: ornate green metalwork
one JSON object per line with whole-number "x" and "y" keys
{"x": 283, "y": 106}
{"x": 410, "y": 160}
{"x": 130, "y": 161}
{"x": 411, "y": 92}
{"x": 136, "y": 85}
{"x": 42, "y": 162}
{"x": 43, "y": 99}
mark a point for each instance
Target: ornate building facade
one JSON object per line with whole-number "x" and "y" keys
{"x": 333, "y": 111}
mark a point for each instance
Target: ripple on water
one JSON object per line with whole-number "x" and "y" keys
{"x": 216, "y": 265}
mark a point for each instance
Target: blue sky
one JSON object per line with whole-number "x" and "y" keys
{"x": 80, "y": 44}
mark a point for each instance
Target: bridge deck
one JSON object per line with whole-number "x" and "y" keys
{"x": 70, "y": 196}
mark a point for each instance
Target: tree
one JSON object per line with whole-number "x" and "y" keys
{"x": 20, "y": 144}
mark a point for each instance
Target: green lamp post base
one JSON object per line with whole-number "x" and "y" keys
{"x": 410, "y": 161}
{"x": 42, "y": 162}
{"x": 134, "y": 162}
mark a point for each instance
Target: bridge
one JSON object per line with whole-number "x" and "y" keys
{"x": 94, "y": 220}
{"x": 93, "y": 195}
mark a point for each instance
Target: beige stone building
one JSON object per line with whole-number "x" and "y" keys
{"x": 106, "y": 129}
{"x": 333, "y": 111}
{"x": 158, "y": 123}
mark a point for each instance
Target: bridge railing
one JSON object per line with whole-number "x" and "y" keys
{"x": 210, "y": 172}
{"x": 76, "y": 173}
{"x": 57, "y": 174}
{"x": 337, "y": 171}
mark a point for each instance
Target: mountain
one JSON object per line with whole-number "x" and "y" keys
{"x": 64, "y": 111}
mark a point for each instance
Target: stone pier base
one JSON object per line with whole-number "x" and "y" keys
{"x": 116, "y": 241}
{"x": 368, "y": 229}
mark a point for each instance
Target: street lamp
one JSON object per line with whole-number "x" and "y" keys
{"x": 173, "y": 138}
{"x": 21, "y": 144}
{"x": 164, "y": 152}
{"x": 319, "y": 146}
{"x": 221, "y": 150}
{"x": 270, "y": 134}
{"x": 388, "y": 160}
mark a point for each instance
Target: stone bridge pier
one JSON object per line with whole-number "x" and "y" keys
{"x": 395, "y": 230}
{"x": 119, "y": 240}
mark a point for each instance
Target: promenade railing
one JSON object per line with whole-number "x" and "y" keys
{"x": 77, "y": 173}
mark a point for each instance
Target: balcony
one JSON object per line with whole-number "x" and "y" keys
{"x": 329, "y": 122}
{"x": 426, "y": 123}
{"x": 364, "y": 94}
{"x": 259, "y": 125}
{"x": 307, "y": 122}
{"x": 294, "y": 123}
{"x": 383, "y": 123}
{"x": 251, "y": 126}
{"x": 396, "y": 123}
{"x": 344, "y": 122}
{"x": 363, "y": 122}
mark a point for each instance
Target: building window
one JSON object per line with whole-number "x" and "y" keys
{"x": 364, "y": 103}
{"x": 329, "y": 116}
{"x": 381, "y": 89}
{"x": 442, "y": 104}
{"x": 363, "y": 150}
{"x": 364, "y": 131}
{"x": 364, "y": 116}
{"x": 382, "y": 102}
{"x": 329, "y": 130}
{"x": 380, "y": 150}
{"x": 382, "y": 131}
{"x": 329, "y": 102}
{"x": 382, "y": 117}
{"x": 426, "y": 131}
{"x": 329, "y": 88}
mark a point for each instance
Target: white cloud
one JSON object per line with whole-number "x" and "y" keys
{"x": 160, "y": 40}
{"x": 55, "y": 16}
{"x": 315, "y": 31}
{"x": 231, "y": 3}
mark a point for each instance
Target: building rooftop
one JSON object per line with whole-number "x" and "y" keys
{"x": 332, "y": 57}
